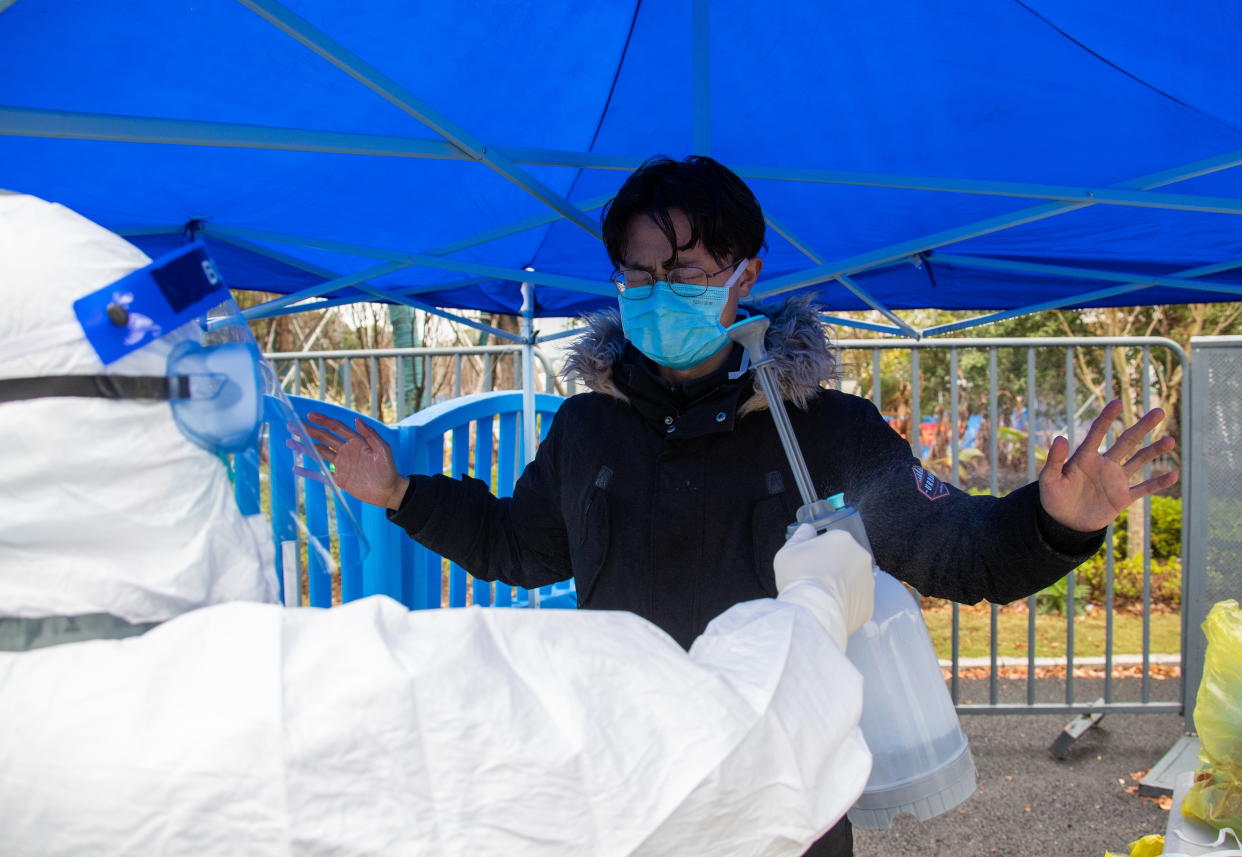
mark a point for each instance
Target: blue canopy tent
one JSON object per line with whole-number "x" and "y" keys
{"x": 1001, "y": 157}
{"x": 1004, "y": 156}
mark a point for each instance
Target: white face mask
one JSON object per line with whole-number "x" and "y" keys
{"x": 674, "y": 330}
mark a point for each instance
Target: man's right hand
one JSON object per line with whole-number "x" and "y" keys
{"x": 363, "y": 462}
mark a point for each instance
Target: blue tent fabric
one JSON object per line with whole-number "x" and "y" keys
{"x": 1040, "y": 92}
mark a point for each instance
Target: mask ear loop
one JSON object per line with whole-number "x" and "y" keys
{"x": 737, "y": 274}
{"x": 745, "y": 365}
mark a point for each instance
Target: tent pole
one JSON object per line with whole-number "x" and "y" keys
{"x": 528, "y": 372}
{"x": 1103, "y": 195}
{"x": 701, "y": 47}
{"x": 515, "y": 227}
{"x": 895, "y": 253}
{"x": 263, "y": 309}
{"x": 528, "y": 387}
{"x": 301, "y": 30}
{"x": 838, "y": 321}
{"x": 552, "y": 337}
{"x": 443, "y": 250}
{"x": 74, "y": 125}
{"x": 397, "y": 298}
{"x": 1071, "y": 300}
{"x": 367, "y": 297}
{"x": 849, "y": 284}
{"x": 423, "y": 260}
{"x": 132, "y": 231}
{"x": 1173, "y": 282}
{"x": 857, "y": 290}
{"x": 328, "y": 274}
{"x": 865, "y": 296}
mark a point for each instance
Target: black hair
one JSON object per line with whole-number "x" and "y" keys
{"x": 723, "y": 212}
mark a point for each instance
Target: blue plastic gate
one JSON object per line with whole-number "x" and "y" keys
{"x": 479, "y": 435}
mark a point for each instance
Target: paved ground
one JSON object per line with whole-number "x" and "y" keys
{"x": 1031, "y": 805}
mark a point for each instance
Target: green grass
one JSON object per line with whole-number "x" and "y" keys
{"x": 1089, "y": 633}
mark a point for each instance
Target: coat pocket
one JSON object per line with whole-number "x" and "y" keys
{"x": 590, "y": 548}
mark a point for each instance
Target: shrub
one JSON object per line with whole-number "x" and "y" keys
{"x": 1166, "y": 529}
{"x": 1053, "y": 598}
{"x": 1166, "y": 580}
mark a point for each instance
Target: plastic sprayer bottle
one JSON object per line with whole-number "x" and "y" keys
{"x": 921, "y": 760}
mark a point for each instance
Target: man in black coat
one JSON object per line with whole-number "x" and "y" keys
{"x": 665, "y": 491}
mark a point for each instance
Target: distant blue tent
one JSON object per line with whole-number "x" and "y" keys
{"x": 952, "y": 154}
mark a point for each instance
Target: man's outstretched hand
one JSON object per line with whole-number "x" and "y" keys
{"x": 363, "y": 462}
{"x": 1088, "y": 490}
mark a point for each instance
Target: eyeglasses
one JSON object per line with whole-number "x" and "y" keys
{"x": 688, "y": 282}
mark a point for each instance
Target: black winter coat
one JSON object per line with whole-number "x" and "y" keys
{"x": 672, "y": 502}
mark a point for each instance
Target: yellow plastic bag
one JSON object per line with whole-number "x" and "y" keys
{"x": 1151, "y": 845}
{"x": 1216, "y": 796}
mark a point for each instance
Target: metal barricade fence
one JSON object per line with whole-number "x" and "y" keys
{"x": 1214, "y": 495}
{"x": 977, "y": 389}
{"x": 332, "y": 375}
{"x": 1050, "y": 386}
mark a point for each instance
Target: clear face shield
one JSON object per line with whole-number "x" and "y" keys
{"x": 224, "y": 397}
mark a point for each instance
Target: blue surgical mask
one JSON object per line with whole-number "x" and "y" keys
{"x": 674, "y": 330}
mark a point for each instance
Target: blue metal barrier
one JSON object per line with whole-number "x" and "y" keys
{"x": 394, "y": 564}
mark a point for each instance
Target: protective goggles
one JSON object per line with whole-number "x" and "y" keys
{"x": 218, "y": 384}
{"x": 215, "y": 387}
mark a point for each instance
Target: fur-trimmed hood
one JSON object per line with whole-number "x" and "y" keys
{"x": 797, "y": 341}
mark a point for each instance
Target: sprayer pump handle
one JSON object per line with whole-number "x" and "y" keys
{"x": 749, "y": 332}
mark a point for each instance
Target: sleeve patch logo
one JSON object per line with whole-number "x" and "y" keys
{"x": 929, "y": 486}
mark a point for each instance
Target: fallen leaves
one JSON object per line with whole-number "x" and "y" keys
{"x": 1164, "y": 802}
{"x": 1158, "y": 672}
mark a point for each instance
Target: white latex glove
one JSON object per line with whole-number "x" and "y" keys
{"x": 830, "y": 575}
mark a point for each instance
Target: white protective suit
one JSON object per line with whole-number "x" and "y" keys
{"x": 105, "y": 507}
{"x": 251, "y": 729}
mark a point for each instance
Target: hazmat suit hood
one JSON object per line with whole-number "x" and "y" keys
{"x": 105, "y": 507}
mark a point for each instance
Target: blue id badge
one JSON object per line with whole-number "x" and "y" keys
{"x": 141, "y": 307}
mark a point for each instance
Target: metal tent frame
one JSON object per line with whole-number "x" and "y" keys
{"x": 457, "y": 143}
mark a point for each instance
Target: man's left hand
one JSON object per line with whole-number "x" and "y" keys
{"x": 1088, "y": 490}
